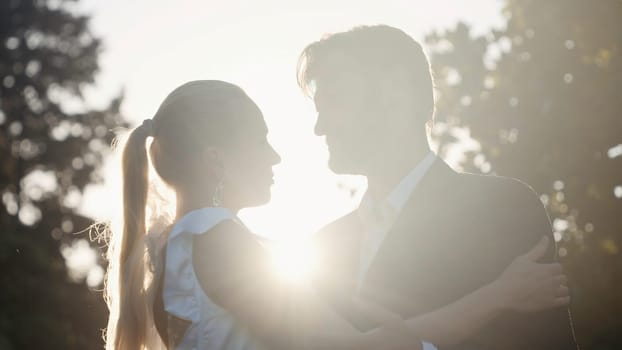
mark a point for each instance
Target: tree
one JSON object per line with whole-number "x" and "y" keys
{"x": 542, "y": 98}
{"x": 47, "y": 157}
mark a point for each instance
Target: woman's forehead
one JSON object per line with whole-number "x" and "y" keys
{"x": 253, "y": 120}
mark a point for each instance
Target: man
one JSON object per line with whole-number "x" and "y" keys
{"x": 423, "y": 235}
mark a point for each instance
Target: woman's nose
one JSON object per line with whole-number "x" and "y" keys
{"x": 276, "y": 158}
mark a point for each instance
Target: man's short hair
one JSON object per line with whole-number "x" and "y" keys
{"x": 374, "y": 49}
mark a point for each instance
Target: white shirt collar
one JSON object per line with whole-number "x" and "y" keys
{"x": 401, "y": 193}
{"x": 398, "y": 197}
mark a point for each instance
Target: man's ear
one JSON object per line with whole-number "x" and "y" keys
{"x": 394, "y": 89}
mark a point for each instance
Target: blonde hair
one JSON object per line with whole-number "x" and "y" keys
{"x": 194, "y": 115}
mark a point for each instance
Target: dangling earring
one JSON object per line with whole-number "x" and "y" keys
{"x": 217, "y": 197}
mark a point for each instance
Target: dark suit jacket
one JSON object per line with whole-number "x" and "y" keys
{"x": 456, "y": 233}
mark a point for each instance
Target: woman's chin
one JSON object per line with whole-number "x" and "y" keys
{"x": 261, "y": 199}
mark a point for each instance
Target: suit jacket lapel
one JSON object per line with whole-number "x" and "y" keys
{"x": 392, "y": 259}
{"x": 339, "y": 254}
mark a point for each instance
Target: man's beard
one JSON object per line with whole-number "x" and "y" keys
{"x": 348, "y": 163}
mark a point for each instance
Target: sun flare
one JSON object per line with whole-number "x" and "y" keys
{"x": 293, "y": 260}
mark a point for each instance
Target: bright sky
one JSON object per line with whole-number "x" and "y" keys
{"x": 152, "y": 46}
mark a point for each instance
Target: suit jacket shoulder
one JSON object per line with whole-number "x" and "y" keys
{"x": 513, "y": 210}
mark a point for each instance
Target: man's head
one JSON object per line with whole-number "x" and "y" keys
{"x": 373, "y": 92}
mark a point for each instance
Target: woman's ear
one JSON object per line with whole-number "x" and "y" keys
{"x": 213, "y": 160}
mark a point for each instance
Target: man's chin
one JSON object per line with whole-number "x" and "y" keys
{"x": 338, "y": 166}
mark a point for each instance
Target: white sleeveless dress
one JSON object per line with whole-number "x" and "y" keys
{"x": 210, "y": 326}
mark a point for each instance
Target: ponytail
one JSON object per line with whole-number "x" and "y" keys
{"x": 126, "y": 284}
{"x": 135, "y": 259}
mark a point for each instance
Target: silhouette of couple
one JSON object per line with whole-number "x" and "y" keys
{"x": 431, "y": 259}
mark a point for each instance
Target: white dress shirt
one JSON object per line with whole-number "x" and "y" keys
{"x": 378, "y": 218}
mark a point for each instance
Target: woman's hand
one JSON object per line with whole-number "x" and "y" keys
{"x": 392, "y": 332}
{"x": 527, "y": 286}
{"x": 334, "y": 341}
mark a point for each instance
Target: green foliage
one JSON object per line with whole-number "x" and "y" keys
{"x": 47, "y": 157}
{"x": 543, "y": 99}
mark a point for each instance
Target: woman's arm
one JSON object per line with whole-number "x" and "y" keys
{"x": 525, "y": 286}
{"x": 236, "y": 272}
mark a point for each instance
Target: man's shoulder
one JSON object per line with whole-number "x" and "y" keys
{"x": 494, "y": 189}
{"x": 508, "y": 207}
{"x": 477, "y": 188}
{"x": 495, "y": 206}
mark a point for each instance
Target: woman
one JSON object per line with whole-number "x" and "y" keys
{"x": 207, "y": 282}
